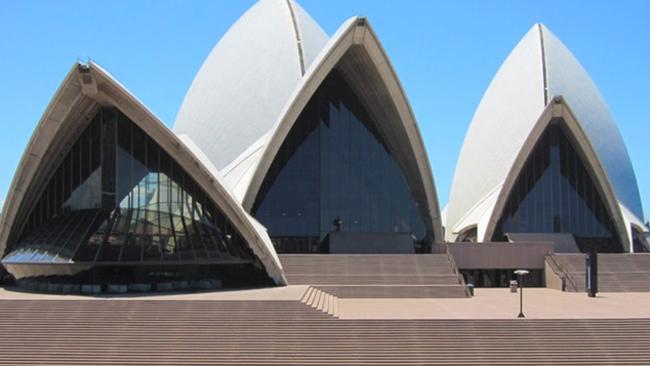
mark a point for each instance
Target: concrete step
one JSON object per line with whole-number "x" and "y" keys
{"x": 368, "y": 271}
{"x": 320, "y": 300}
{"x": 379, "y": 279}
{"x": 184, "y": 332}
{"x": 305, "y": 297}
{"x": 616, "y": 272}
{"x": 394, "y": 291}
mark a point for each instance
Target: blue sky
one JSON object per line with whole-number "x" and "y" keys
{"x": 445, "y": 53}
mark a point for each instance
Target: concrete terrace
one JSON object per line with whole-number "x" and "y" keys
{"x": 498, "y": 303}
{"x": 303, "y": 325}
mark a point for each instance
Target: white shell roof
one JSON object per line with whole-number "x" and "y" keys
{"x": 377, "y": 81}
{"x": 242, "y": 86}
{"x": 356, "y": 52}
{"x": 566, "y": 77}
{"x": 539, "y": 68}
{"x": 88, "y": 86}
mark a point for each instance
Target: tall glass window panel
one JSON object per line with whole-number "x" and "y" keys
{"x": 335, "y": 172}
{"x": 159, "y": 213}
{"x": 556, "y": 193}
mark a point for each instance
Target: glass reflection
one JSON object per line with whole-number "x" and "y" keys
{"x": 335, "y": 172}
{"x": 117, "y": 196}
{"x": 555, "y": 193}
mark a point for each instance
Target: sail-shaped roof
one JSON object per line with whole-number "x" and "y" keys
{"x": 86, "y": 89}
{"x": 243, "y": 84}
{"x": 538, "y": 69}
{"x": 239, "y": 124}
{"x": 355, "y": 51}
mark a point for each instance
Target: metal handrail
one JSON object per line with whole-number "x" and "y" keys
{"x": 557, "y": 268}
{"x": 454, "y": 268}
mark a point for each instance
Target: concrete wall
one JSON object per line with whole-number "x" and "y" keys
{"x": 553, "y": 280}
{"x": 370, "y": 243}
{"x": 500, "y": 255}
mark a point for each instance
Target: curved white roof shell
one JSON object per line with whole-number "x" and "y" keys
{"x": 251, "y": 89}
{"x": 86, "y": 88}
{"x": 538, "y": 69}
{"x": 355, "y": 51}
{"x": 242, "y": 86}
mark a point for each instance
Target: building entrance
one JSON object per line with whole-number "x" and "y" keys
{"x": 501, "y": 277}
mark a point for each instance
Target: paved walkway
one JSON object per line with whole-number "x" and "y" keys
{"x": 539, "y": 303}
{"x": 286, "y": 293}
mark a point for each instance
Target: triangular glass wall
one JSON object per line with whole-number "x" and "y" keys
{"x": 335, "y": 173}
{"x": 117, "y": 198}
{"x": 556, "y": 193}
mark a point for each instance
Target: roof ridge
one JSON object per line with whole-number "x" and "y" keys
{"x": 544, "y": 70}
{"x": 296, "y": 30}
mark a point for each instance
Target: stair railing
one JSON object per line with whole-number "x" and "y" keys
{"x": 454, "y": 268}
{"x": 564, "y": 276}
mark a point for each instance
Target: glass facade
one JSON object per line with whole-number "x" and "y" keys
{"x": 334, "y": 172}
{"x": 118, "y": 198}
{"x": 555, "y": 193}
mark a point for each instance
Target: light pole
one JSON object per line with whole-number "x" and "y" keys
{"x": 520, "y": 276}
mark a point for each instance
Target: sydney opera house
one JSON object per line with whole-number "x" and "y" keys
{"x": 543, "y": 157}
{"x": 290, "y": 141}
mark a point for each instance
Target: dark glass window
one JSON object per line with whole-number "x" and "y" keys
{"x": 555, "y": 193}
{"x": 158, "y": 212}
{"x": 335, "y": 172}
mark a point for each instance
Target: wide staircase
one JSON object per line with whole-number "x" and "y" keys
{"x": 184, "y": 332}
{"x": 376, "y": 276}
{"x": 616, "y": 272}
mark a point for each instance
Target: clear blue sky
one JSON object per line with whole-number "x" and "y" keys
{"x": 445, "y": 53}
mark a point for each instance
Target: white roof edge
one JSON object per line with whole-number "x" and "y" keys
{"x": 353, "y": 31}
{"x": 633, "y": 219}
{"x": 301, "y": 93}
{"x": 558, "y": 107}
{"x": 539, "y": 65}
{"x": 258, "y": 239}
{"x": 475, "y": 215}
{"x": 491, "y": 205}
{"x": 567, "y": 77}
{"x": 510, "y": 104}
{"x": 200, "y": 155}
{"x": 237, "y": 175}
{"x": 259, "y": 144}
{"x": 29, "y": 161}
{"x": 108, "y": 89}
{"x": 244, "y": 82}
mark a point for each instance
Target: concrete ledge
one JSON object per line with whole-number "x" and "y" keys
{"x": 529, "y": 255}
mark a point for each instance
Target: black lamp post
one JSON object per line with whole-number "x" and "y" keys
{"x": 520, "y": 276}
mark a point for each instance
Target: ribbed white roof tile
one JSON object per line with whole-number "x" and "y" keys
{"x": 72, "y": 100}
{"x": 568, "y": 78}
{"x": 539, "y": 68}
{"x": 501, "y": 123}
{"x": 242, "y": 86}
